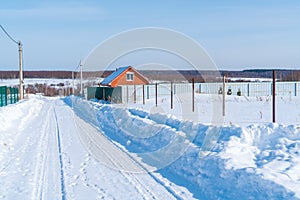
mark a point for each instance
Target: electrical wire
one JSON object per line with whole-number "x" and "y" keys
{"x": 12, "y": 39}
{"x": 78, "y": 66}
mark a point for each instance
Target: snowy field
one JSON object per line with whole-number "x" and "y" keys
{"x": 69, "y": 148}
{"x": 239, "y": 110}
{"x": 33, "y": 81}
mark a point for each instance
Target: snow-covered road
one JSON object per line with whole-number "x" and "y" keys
{"x": 29, "y": 167}
{"x": 70, "y": 148}
{"x": 42, "y": 157}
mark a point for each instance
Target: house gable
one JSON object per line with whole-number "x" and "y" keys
{"x": 125, "y": 76}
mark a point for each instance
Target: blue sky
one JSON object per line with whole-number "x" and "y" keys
{"x": 236, "y": 34}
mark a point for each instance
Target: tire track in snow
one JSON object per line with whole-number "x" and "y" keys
{"x": 139, "y": 186}
{"x": 26, "y": 173}
{"x": 99, "y": 144}
{"x": 72, "y": 179}
{"x": 91, "y": 140}
{"x": 46, "y": 161}
{"x": 62, "y": 178}
{"x": 42, "y": 158}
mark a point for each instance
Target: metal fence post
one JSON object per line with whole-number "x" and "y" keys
{"x": 156, "y": 94}
{"x": 274, "y": 94}
{"x": 199, "y": 88}
{"x": 193, "y": 95}
{"x": 134, "y": 94}
{"x": 171, "y": 94}
{"x": 223, "y": 102}
{"x": 143, "y": 94}
{"x": 248, "y": 89}
{"x": 148, "y": 95}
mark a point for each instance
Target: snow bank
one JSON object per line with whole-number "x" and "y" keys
{"x": 13, "y": 170}
{"x": 247, "y": 163}
{"x": 239, "y": 110}
{"x": 14, "y": 115}
{"x": 230, "y": 162}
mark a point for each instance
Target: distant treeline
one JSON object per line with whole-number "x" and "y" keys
{"x": 36, "y": 74}
{"x": 282, "y": 74}
{"x": 167, "y": 75}
{"x": 50, "y": 74}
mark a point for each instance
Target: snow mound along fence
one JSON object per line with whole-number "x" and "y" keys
{"x": 231, "y": 162}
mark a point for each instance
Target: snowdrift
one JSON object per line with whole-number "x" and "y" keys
{"x": 230, "y": 162}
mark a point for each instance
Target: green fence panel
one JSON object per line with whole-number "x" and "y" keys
{"x": 8, "y": 95}
{"x": 105, "y": 93}
{"x": 3, "y": 96}
{"x": 13, "y": 95}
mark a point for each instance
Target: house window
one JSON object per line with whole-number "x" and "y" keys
{"x": 129, "y": 76}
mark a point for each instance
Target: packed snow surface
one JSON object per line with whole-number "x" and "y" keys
{"x": 42, "y": 156}
{"x": 76, "y": 149}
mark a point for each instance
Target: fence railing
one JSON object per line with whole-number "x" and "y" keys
{"x": 8, "y": 95}
{"x": 137, "y": 93}
{"x": 253, "y": 89}
{"x": 186, "y": 96}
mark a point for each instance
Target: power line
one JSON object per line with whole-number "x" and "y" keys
{"x": 21, "y": 89}
{"x": 12, "y": 39}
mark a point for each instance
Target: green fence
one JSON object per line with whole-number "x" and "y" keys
{"x": 105, "y": 93}
{"x": 8, "y": 95}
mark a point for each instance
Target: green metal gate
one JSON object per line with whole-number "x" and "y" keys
{"x": 113, "y": 95}
{"x": 8, "y": 95}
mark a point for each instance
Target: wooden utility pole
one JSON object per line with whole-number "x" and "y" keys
{"x": 81, "y": 84}
{"x": 21, "y": 70}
